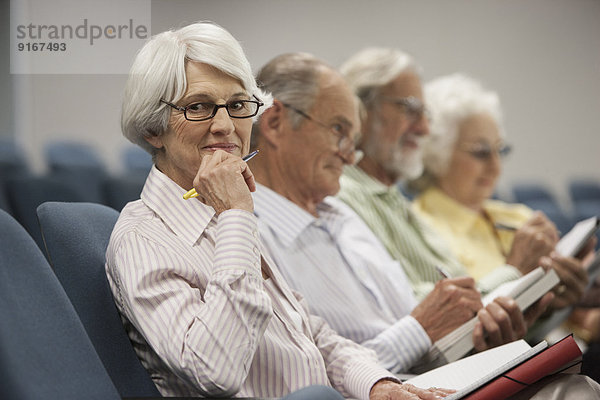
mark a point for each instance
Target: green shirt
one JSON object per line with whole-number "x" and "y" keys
{"x": 408, "y": 238}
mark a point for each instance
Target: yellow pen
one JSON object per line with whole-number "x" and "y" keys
{"x": 192, "y": 193}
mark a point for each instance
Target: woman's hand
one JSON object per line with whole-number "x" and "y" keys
{"x": 390, "y": 390}
{"x": 224, "y": 182}
{"x": 536, "y": 238}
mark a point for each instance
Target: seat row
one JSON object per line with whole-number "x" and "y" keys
{"x": 61, "y": 336}
{"x": 76, "y": 173}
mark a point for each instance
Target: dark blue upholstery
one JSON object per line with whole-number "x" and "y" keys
{"x": 136, "y": 160}
{"x": 585, "y": 197}
{"x": 44, "y": 350}
{"x": 4, "y": 205}
{"x": 314, "y": 393}
{"x": 70, "y": 155}
{"x": 539, "y": 197}
{"x": 119, "y": 191}
{"x": 12, "y": 159}
{"x": 26, "y": 193}
{"x": 584, "y": 190}
{"x": 78, "y": 164}
{"x": 76, "y": 236}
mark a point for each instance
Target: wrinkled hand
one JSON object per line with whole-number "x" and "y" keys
{"x": 573, "y": 279}
{"x": 587, "y": 252}
{"x": 502, "y": 321}
{"x": 536, "y": 238}
{"x": 451, "y": 303}
{"x": 591, "y": 297}
{"x": 389, "y": 390}
{"x": 224, "y": 182}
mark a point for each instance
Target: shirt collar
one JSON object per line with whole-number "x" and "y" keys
{"x": 186, "y": 218}
{"x": 284, "y": 217}
{"x": 368, "y": 183}
{"x": 460, "y": 217}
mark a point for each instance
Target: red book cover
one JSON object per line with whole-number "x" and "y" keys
{"x": 542, "y": 364}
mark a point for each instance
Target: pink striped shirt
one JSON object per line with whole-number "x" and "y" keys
{"x": 189, "y": 288}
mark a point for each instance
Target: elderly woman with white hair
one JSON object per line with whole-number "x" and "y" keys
{"x": 207, "y": 311}
{"x": 462, "y": 162}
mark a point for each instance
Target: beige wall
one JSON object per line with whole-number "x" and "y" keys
{"x": 542, "y": 56}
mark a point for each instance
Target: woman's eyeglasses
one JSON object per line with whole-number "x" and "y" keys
{"x": 484, "y": 152}
{"x": 203, "y": 111}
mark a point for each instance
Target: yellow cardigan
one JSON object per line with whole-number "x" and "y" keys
{"x": 471, "y": 236}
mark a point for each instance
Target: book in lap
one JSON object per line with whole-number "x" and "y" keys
{"x": 500, "y": 372}
{"x": 458, "y": 343}
{"x": 525, "y": 291}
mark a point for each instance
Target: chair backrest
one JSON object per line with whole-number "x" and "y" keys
{"x": 584, "y": 190}
{"x": 76, "y": 236}
{"x": 12, "y": 159}
{"x": 525, "y": 192}
{"x": 120, "y": 190}
{"x": 4, "y": 205}
{"x": 44, "y": 350}
{"x": 136, "y": 160}
{"x": 26, "y": 193}
{"x": 69, "y": 155}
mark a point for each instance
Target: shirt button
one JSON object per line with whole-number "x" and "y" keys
{"x": 255, "y": 234}
{"x": 255, "y": 250}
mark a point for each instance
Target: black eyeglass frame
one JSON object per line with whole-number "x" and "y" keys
{"x": 216, "y": 108}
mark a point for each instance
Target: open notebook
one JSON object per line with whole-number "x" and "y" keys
{"x": 455, "y": 345}
{"x": 502, "y": 371}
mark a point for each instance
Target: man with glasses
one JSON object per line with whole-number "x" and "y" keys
{"x": 388, "y": 83}
{"x": 329, "y": 255}
{"x": 322, "y": 247}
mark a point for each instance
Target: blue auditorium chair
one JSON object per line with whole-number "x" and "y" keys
{"x": 76, "y": 236}
{"x": 45, "y": 352}
{"x": 585, "y": 197}
{"x": 539, "y": 197}
{"x": 12, "y": 159}
{"x": 26, "y": 193}
{"x": 120, "y": 190}
{"x": 136, "y": 160}
{"x": 79, "y": 165}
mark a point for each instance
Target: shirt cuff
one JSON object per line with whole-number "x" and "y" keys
{"x": 360, "y": 379}
{"x": 237, "y": 242}
{"x": 401, "y": 345}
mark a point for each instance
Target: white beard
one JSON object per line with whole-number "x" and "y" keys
{"x": 409, "y": 164}
{"x": 398, "y": 162}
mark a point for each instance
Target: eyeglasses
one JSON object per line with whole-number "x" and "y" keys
{"x": 345, "y": 145}
{"x": 484, "y": 152}
{"x": 202, "y": 111}
{"x": 412, "y": 107}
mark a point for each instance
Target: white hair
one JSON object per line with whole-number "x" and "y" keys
{"x": 452, "y": 99}
{"x": 374, "y": 67}
{"x": 158, "y": 72}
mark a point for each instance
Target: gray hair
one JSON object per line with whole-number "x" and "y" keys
{"x": 374, "y": 67}
{"x": 451, "y": 99}
{"x": 158, "y": 72}
{"x": 292, "y": 78}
